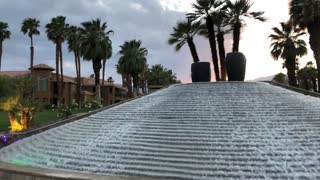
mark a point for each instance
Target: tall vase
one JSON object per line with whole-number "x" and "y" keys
{"x": 201, "y": 72}
{"x": 236, "y": 66}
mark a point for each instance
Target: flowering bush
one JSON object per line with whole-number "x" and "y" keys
{"x": 93, "y": 104}
{"x": 64, "y": 112}
{"x": 74, "y": 105}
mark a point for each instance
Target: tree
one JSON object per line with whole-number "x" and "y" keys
{"x": 222, "y": 26}
{"x": 30, "y": 26}
{"x": 202, "y": 12}
{"x": 6, "y": 86}
{"x": 56, "y": 32}
{"x": 18, "y": 101}
{"x": 222, "y": 22}
{"x": 126, "y": 78}
{"x": 132, "y": 62}
{"x": 287, "y": 45}
{"x": 74, "y": 44}
{"x": 96, "y": 46}
{"x": 307, "y": 76}
{"x": 158, "y": 75}
{"x": 104, "y": 68}
{"x": 4, "y": 34}
{"x": 183, "y": 33}
{"x": 306, "y": 15}
{"x": 238, "y": 10}
{"x": 279, "y": 78}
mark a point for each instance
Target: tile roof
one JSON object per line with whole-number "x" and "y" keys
{"x": 42, "y": 67}
{"x": 196, "y": 131}
{"x": 91, "y": 82}
{"x": 65, "y": 78}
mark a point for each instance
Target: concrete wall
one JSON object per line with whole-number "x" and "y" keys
{"x": 15, "y": 172}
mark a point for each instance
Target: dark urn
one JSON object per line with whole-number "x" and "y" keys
{"x": 201, "y": 72}
{"x": 236, "y": 66}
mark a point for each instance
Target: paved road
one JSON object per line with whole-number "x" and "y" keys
{"x": 195, "y": 131}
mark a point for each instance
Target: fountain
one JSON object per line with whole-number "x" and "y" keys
{"x": 193, "y": 131}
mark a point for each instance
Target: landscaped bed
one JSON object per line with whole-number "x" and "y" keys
{"x": 43, "y": 117}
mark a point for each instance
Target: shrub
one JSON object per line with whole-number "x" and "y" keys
{"x": 93, "y": 104}
{"x": 64, "y": 112}
{"x": 279, "y": 78}
{"x": 74, "y": 106}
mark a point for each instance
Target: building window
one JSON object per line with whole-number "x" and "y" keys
{"x": 44, "y": 84}
{"x": 38, "y": 84}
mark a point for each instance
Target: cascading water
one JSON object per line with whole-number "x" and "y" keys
{"x": 194, "y": 131}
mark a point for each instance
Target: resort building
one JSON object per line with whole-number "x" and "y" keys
{"x": 46, "y": 90}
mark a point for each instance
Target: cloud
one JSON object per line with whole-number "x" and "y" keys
{"x": 148, "y": 20}
{"x": 145, "y": 20}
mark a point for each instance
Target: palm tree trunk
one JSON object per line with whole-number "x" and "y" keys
{"x": 79, "y": 79}
{"x": 236, "y": 36}
{"x": 77, "y": 72}
{"x": 193, "y": 50}
{"x": 314, "y": 85}
{"x": 124, "y": 84}
{"x": 135, "y": 85}
{"x": 96, "y": 63}
{"x": 29, "y": 119}
{"x": 103, "y": 70}
{"x": 24, "y": 120}
{"x": 291, "y": 67}
{"x": 129, "y": 86}
{"x": 314, "y": 29}
{"x": 0, "y": 54}
{"x": 57, "y": 74}
{"x": 213, "y": 47}
{"x": 222, "y": 54}
{"x": 61, "y": 69}
{"x": 31, "y": 54}
{"x": 306, "y": 84}
{"x": 12, "y": 117}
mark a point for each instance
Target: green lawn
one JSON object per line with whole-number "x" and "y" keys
{"x": 43, "y": 117}
{"x": 40, "y": 118}
{"x": 4, "y": 121}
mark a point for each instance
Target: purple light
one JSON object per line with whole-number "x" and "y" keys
{"x": 4, "y": 138}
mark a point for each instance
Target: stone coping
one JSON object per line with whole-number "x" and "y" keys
{"x": 295, "y": 89}
{"x": 27, "y": 172}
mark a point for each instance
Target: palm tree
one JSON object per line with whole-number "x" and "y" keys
{"x": 74, "y": 43}
{"x": 132, "y": 61}
{"x": 96, "y": 46}
{"x": 104, "y": 68}
{"x": 126, "y": 78}
{"x": 287, "y": 45}
{"x": 203, "y": 10}
{"x": 222, "y": 23}
{"x": 238, "y": 10}
{"x": 183, "y": 33}
{"x": 159, "y": 75}
{"x": 4, "y": 34}
{"x": 56, "y": 32}
{"x": 222, "y": 26}
{"x": 306, "y": 14}
{"x": 143, "y": 77}
{"x": 30, "y": 26}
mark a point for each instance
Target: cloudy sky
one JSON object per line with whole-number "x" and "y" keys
{"x": 148, "y": 20}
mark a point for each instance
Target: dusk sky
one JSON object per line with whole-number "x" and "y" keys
{"x": 148, "y": 20}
